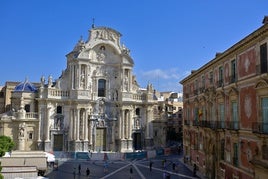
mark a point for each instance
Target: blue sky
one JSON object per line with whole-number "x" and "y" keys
{"x": 167, "y": 38}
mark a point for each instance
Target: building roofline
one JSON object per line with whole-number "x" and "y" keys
{"x": 246, "y": 40}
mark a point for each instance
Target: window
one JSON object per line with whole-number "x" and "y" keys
{"x": 27, "y": 107}
{"x": 155, "y": 133}
{"x": 235, "y": 158}
{"x": 221, "y": 115}
{"x": 234, "y": 115}
{"x": 222, "y": 149}
{"x": 101, "y": 88}
{"x": 59, "y": 109}
{"x": 233, "y": 71}
{"x": 220, "y": 82}
{"x": 211, "y": 77}
{"x": 263, "y": 56}
{"x": 30, "y": 135}
{"x": 203, "y": 81}
{"x": 138, "y": 111}
{"x": 264, "y": 113}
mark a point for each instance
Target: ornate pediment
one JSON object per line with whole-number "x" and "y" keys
{"x": 261, "y": 84}
{"x": 233, "y": 92}
{"x": 106, "y": 34}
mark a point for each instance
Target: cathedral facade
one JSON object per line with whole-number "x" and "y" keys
{"x": 95, "y": 105}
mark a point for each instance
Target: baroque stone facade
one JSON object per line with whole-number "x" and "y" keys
{"x": 225, "y": 111}
{"x": 95, "y": 105}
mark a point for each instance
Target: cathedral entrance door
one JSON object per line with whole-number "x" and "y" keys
{"x": 58, "y": 142}
{"x": 101, "y": 139}
{"x": 137, "y": 141}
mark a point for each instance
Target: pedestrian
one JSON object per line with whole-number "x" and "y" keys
{"x": 164, "y": 175}
{"x": 168, "y": 176}
{"x": 173, "y": 166}
{"x": 105, "y": 166}
{"x": 88, "y": 171}
{"x": 74, "y": 172}
{"x": 131, "y": 172}
{"x": 194, "y": 171}
{"x": 151, "y": 164}
{"x": 79, "y": 168}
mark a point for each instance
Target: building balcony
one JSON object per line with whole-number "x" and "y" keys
{"x": 233, "y": 78}
{"x": 232, "y": 125}
{"x": 260, "y": 127}
{"x": 220, "y": 83}
{"x": 31, "y": 115}
{"x": 210, "y": 124}
{"x": 187, "y": 122}
{"x": 195, "y": 92}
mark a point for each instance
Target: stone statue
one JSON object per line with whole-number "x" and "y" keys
{"x": 22, "y": 130}
{"x": 42, "y": 81}
{"x": 49, "y": 81}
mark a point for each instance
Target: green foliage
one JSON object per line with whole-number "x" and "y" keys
{"x": 6, "y": 144}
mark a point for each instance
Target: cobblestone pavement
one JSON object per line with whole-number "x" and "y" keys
{"x": 171, "y": 168}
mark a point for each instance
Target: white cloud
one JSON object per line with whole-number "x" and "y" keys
{"x": 162, "y": 80}
{"x": 163, "y": 74}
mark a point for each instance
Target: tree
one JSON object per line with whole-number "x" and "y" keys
{"x": 6, "y": 144}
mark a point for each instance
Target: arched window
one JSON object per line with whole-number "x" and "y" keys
{"x": 59, "y": 109}
{"x": 138, "y": 111}
{"x": 27, "y": 107}
{"x": 101, "y": 87}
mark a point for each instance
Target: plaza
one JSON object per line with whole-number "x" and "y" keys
{"x": 117, "y": 169}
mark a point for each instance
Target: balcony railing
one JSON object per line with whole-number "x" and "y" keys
{"x": 31, "y": 115}
{"x": 260, "y": 127}
{"x": 232, "y": 125}
{"x": 220, "y": 83}
{"x": 210, "y": 124}
{"x": 233, "y": 78}
{"x": 186, "y": 122}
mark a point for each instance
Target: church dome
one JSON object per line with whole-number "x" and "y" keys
{"x": 25, "y": 86}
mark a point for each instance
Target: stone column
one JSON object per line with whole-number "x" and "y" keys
{"x": 74, "y": 124}
{"x": 48, "y": 124}
{"x": 130, "y": 123}
{"x": 147, "y": 123}
{"x": 123, "y": 124}
{"x": 77, "y": 77}
{"x": 120, "y": 124}
{"x": 71, "y": 127}
{"x": 39, "y": 125}
{"x": 86, "y": 125}
{"x": 78, "y": 125}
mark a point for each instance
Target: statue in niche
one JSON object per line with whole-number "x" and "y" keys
{"x": 22, "y": 130}
{"x": 101, "y": 56}
{"x": 82, "y": 81}
{"x": 137, "y": 123}
{"x": 126, "y": 83}
{"x": 58, "y": 123}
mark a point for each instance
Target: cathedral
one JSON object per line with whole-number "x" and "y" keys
{"x": 95, "y": 105}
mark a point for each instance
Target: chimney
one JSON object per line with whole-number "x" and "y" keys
{"x": 265, "y": 20}
{"x": 218, "y": 54}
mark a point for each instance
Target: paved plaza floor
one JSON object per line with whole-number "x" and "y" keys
{"x": 164, "y": 166}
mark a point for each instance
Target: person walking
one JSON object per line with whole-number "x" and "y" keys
{"x": 79, "y": 169}
{"x": 194, "y": 171}
{"x": 151, "y": 164}
{"x": 88, "y": 172}
{"x": 105, "y": 166}
{"x": 131, "y": 172}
